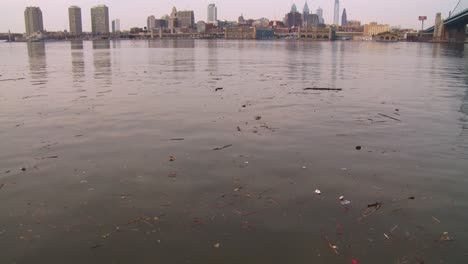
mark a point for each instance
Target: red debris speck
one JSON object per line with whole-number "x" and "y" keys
{"x": 354, "y": 261}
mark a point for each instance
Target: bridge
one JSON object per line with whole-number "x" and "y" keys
{"x": 453, "y": 28}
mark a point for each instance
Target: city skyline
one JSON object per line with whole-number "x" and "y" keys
{"x": 55, "y": 15}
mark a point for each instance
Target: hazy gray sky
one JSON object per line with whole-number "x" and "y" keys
{"x": 134, "y": 12}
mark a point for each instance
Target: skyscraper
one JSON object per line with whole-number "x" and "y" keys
{"x": 344, "y": 18}
{"x": 212, "y": 13}
{"x": 33, "y": 20}
{"x": 336, "y": 18}
{"x": 100, "y": 20}
{"x": 74, "y": 15}
{"x": 305, "y": 13}
{"x": 320, "y": 15}
{"x": 294, "y": 18}
{"x": 116, "y": 26}
{"x": 186, "y": 19}
{"x": 151, "y": 23}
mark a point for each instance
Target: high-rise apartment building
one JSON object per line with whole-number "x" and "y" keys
{"x": 344, "y": 18}
{"x": 100, "y": 20}
{"x": 212, "y": 13}
{"x": 74, "y": 16}
{"x": 116, "y": 26}
{"x": 336, "y": 17}
{"x": 33, "y": 20}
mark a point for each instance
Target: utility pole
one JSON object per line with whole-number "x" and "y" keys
{"x": 9, "y": 36}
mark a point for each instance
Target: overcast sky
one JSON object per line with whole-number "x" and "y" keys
{"x": 134, "y": 12}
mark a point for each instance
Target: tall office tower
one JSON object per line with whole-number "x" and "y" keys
{"x": 74, "y": 15}
{"x": 336, "y": 18}
{"x": 150, "y": 23}
{"x": 305, "y": 14}
{"x": 33, "y": 20}
{"x": 320, "y": 15}
{"x": 344, "y": 18}
{"x": 212, "y": 13}
{"x": 100, "y": 20}
{"x": 186, "y": 19}
{"x": 116, "y": 26}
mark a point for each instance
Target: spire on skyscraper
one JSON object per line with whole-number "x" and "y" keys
{"x": 293, "y": 8}
{"x": 306, "y": 8}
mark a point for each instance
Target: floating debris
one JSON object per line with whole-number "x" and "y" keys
{"x": 217, "y": 245}
{"x": 322, "y": 89}
{"x": 177, "y": 139}
{"x": 437, "y": 221}
{"x": 23, "y": 169}
{"x": 358, "y": 147}
{"x": 396, "y": 119}
{"x": 386, "y": 236}
{"x": 221, "y": 148}
{"x": 218, "y": 89}
{"x": 446, "y": 237}
{"x": 345, "y": 202}
{"x": 318, "y": 191}
{"x": 172, "y": 158}
{"x": 258, "y": 117}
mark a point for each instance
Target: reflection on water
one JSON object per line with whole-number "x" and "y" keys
{"x": 102, "y": 64}
{"x": 78, "y": 63}
{"x": 37, "y": 63}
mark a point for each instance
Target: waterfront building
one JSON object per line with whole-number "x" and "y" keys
{"x": 354, "y": 23}
{"x": 116, "y": 26}
{"x": 305, "y": 13}
{"x": 344, "y": 18}
{"x": 316, "y": 34}
{"x": 320, "y": 15}
{"x": 33, "y": 20}
{"x": 172, "y": 21}
{"x": 248, "y": 33}
{"x": 336, "y": 17}
{"x": 74, "y": 16}
{"x": 100, "y": 20}
{"x": 373, "y": 28}
{"x": 212, "y": 14}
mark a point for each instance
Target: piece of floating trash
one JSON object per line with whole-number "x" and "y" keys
{"x": 345, "y": 202}
{"x": 354, "y": 261}
{"x": 358, "y": 147}
{"x": 341, "y": 198}
{"x": 172, "y": 158}
{"x": 318, "y": 191}
{"x": 304, "y": 167}
{"x": 217, "y": 245}
{"x": 387, "y": 236}
{"x": 446, "y": 237}
{"x": 258, "y": 117}
{"x": 246, "y": 162}
{"x": 238, "y": 189}
{"x": 83, "y": 181}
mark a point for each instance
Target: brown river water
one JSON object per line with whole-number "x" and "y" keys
{"x": 128, "y": 152}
